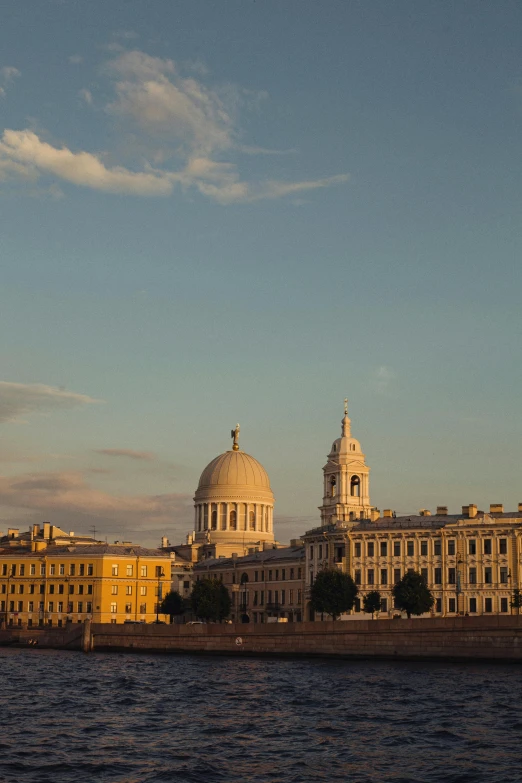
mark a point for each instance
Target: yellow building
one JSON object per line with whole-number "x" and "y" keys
{"x": 50, "y": 584}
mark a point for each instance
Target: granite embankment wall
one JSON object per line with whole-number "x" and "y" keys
{"x": 459, "y": 638}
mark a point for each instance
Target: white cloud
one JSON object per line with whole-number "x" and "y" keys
{"x": 7, "y": 74}
{"x": 86, "y": 95}
{"x": 130, "y": 453}
{"x": 75, "y": 59}
{"x": 23, "y": 399}
{"x": 383, "y": 377}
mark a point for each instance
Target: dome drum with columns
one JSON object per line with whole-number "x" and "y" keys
{"x": 234, "y": 503}
{"x": 346, "y": 494}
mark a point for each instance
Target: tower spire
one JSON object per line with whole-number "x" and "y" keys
{"x": 346, "y": 421}
{"x": 235, "y": 438}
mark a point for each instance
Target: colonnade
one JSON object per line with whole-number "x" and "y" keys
{"x": 234, "y": 516}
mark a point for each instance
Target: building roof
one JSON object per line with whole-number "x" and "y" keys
{"x": 234, "y": 468}
{"x": 415, "y": 521}
{"x": 86, "y": 551}
{"x": 265, "y": 557}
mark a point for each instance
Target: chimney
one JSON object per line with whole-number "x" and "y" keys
{"x": 71, "y": 533}
{"x": 520, "y": 508}
{"x": 424, "y": 512}
{"x": 442, "y": 511}
{"x": 465, "y": 511}
{"x": 375, "y": 514}
{"x": 164, "y": 542}
{"x": 387, "y": 513}
{"x": 46, "y": 530}
{"x": 496, "y": 508}
{"x": 472, "y": 510}
{"x": 36, "y": 530}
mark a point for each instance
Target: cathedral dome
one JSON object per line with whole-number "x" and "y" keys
{"x": 234, "y": 468}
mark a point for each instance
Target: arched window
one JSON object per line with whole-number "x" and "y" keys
{"x": 233, "y": 520}
{"x": 213, "y": 518}
{"x": 200, "y": 512}
{"x": 266, "y": 518}
{"x": 252, "y": 520}
{"x": 355, "y": 486}
{"x": 332, "y": 486}
{"x": 223, "y": 515}
{"x": 205, "y": 516}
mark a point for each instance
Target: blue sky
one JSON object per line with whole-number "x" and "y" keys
{"x": 246, "y": 211}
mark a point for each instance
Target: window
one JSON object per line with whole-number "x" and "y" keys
{"x": 472, "y": 576}
{"x": 80, "y": 589}
{"x": 487, "y": 546}
{"x": 256, "y": 576}
{"x": 384, "y": 604}
{"x": 42, "y": 569}
{"x": 143, "y": 571}
{"x": 357, "y": 550}
{"x": 384, "y": 548}
{"x": 128, "y": 570}
{"x": 90, "y": 569}
{"x": 396, "y": 575}
{"x": 410, "y": 548}
{"x": 128, "y": 590}
{"x": 114, "y": 608}
{"x": 396, "y": 548}
{"x": 355, "y": 486}
{"x": 291, "y": 597}
{"x": 502, "y": 546}
{"x": 452, "y": 576}
{"x": 276, "y": 596}
{"x": 371, "y": 549}
{"x": 438, "y": 605}
{"x": 31, "y": 589}
{"x": 451, "y": 605}
{"x": 80, "y": 607}
{"x": 283, "y": 597}
{"x": 424, "y": 548}
{"x": 262, "y": 598}
{"x": 371, "y": 580}
{"x": 71, "y": 589}
{"x": 252, "y": 520}
{"x": 143, "y": 590}
{"x": 22, "y": 570}
{"x": 114, "y": 589}
{"x": 62, "y": 569}
{"x": 503, "y": 575}
{"x": 320, "y": 553}
{"x": 357, "y": 577}
{"x": 52, "y": 570}
{"x": 472, "y": 604}
{"x": 81, "y": 568}
{"x": 12, "y": 588}
{"x": 283, "y": 574}
{"x": 128, "y": 608}
{"x": 269, "y": 596}
{"x": 292, "y": 573}
{"x": 60, "y": 607}
{"x": 89, "y": 589}
{"x": 60, "y": 589}
{"x": 437, "y": 547}
{"x": 299, "y": 596}
{"x": 503, "y": 604}
{"x": 384, "y": 576}
{"x": 115, "y": 570}
{"x": 255, "y": 597}
{"x": 88, "y": 607}
{"x": 20, "y": 606}
{"x": 143, "y": 608}
{"x": 277, "y": 574}
{"x": 472, "y": 546}
{"x": 72, "y": 569}
{"x": 270, "y": 575}
{"x": 299, "y": 573}
{"x": 424, "y": 574}
{"x": 4, "y": 569}
{"x": 51, "y": 589}
{"x": 30, "y": 606}
{"x": 451, "y": 546}
{"x": 488, "y": 605}
{"x": 488, "y": 576}
{"x": 233, "y": 520}
{"x": 311, "y": 553}
{"x": 42, "y": 589}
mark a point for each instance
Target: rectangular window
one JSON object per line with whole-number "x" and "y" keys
{"x": 472, "y": 546}
{"x": 384, "y": 604}
{"x": 128, "y": 608}
{"x": 60, "y": 607}
{"x": 396, "y": 548}
{"x": 424, "y": 548}
{"x": 371, "y": 549}
{"x": 357, "y": 549}
{"x": 4, "y": 569}
{"x": 262, "y": 598}
{"x": 270, "y": 575}
{"x": 80, "y": 607}
{"x": 89, "y": 589}
{"x": 384, "y": 576}
{"x": 503, "y": 604}
{"x": 255, "y": 597}
{"x": 62, "y": 569}
{"x": 291, "y": 597}
{"x": 277, "y": 574}
{"x": 502, "y": 546}
{"x": 71, "y": 589}
{"x": 488, "y": 605}
{"x": 283, "y": 597}
{"x": 276, "y": 596}
{"x": 143, "y": 570}
{"x": 22, "y": 570}
{"x": 72, "y": 569}
{"x": 451, "y": 546}
{"x": 30, "y": 606}
{"x": 487, "y": 546}
{"x": 269, "y": 596}
{"x": 451, "y": 605}
{"x": 81, "y": 568}
{"x": 52, "y": 570}
{"x": 283, "y": 574}
{"x": 292, "y": 573}
{"x": 358, "y": 577}
{"x": 410, "y": 548}
{"x": 299, "y": 573}
{"x": 128, "y": 570}
{"x": 128, "y": 590}
{"x": 488, "y": 576}
{"x": 88, "y": 607}
{"x": 60, "y": 589}
{"x": 90, "y": 569}
{"x": 452, "y": 576}
{"x": 371, "y": 576}
{"x": 472, "y": 604}
{"x": 472, "y": 576}
{"x": 311, "y": 553}
{"x": 115, "y": 570}
{"x": 42, "y": 589}
{"x": 51, "y": 589}
{"x": 396, "y": 575}
{"x": 256, "y": 576}
{"x": 438, "y": 605}
{"x": 299, "y": 597}
{"x": 31, "y": 589}
{"x": 384, "y": 548}
{"x": 424, "y": 574}
{"x": 437, "y": 547}
{"x": 42, "y": 569}
{"x": 20, "y": 606}
{"x": 320, "y": 553}
{"x": 143, "y": 590}
{"x": 143, "y": 608}
{"x": 80, "y": 589}
{"x": 114, "y": 608}
{"x": 114, "y": 589}
{"x": 503, "y": 575}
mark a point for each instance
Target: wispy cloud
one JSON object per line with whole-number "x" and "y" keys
{"x": 7, "y": 75}
{"x": 75, "y": 59}
{"x": 188, "y": 128}
{"x": 129, "y": 453}
{"x": 383, "y": 379}
{"x": 18, "y": 400}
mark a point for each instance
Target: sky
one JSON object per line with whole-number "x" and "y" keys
{"x": 247, "y": 211}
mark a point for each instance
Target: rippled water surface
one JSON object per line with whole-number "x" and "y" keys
{"x": 134, "y": 719}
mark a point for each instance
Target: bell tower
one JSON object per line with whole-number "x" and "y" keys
{"x": 346, "y": 493}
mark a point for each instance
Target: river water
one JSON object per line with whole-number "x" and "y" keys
{"x": 111, "y": 718}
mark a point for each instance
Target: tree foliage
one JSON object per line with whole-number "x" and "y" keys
{"x": 210, "y": 600}
{"x": 172, "y": 604}
{"x": 516, "y": 600}
{"x": 372, "y": 602}
{"x": 412, "y": 594}
{"x": 333, "y": 593}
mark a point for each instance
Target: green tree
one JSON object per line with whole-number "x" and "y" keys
{"x": 333, "y": 592}
{"x": 412, "y": 594}
{"x": 210, "y": 600}
{"x": 372, "y": 602}
{"x": 172, "y": 604}
{"x": 516, "y": 600}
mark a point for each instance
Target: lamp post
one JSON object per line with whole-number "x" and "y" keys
{"x": 160, "y": 573}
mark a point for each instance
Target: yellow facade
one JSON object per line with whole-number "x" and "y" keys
{"x": 107, "y": 583}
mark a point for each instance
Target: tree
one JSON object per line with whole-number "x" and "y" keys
{"x": 172, "y": 604}
{"x": 333, "y": 592}
{"x": 210, "y": 600}
{"x": 516, "y": 600}
{"x": 372, "y": 602}
{"x": 412, "y": 594}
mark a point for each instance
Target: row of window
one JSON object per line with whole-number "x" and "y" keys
{"x": 129, "y": 608}
{"x": 58, "y": 569}
{"x": 382, "y": 575}
{"x": 272, "y": 597}
{"x": 51, "y": 589}
{"x": 129, "y": 589}
{"x": 239, "y": 518}
{"x": 451, "y": 605}
{"x": 396, "y": 547}
{"x": 38, "y": 606}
